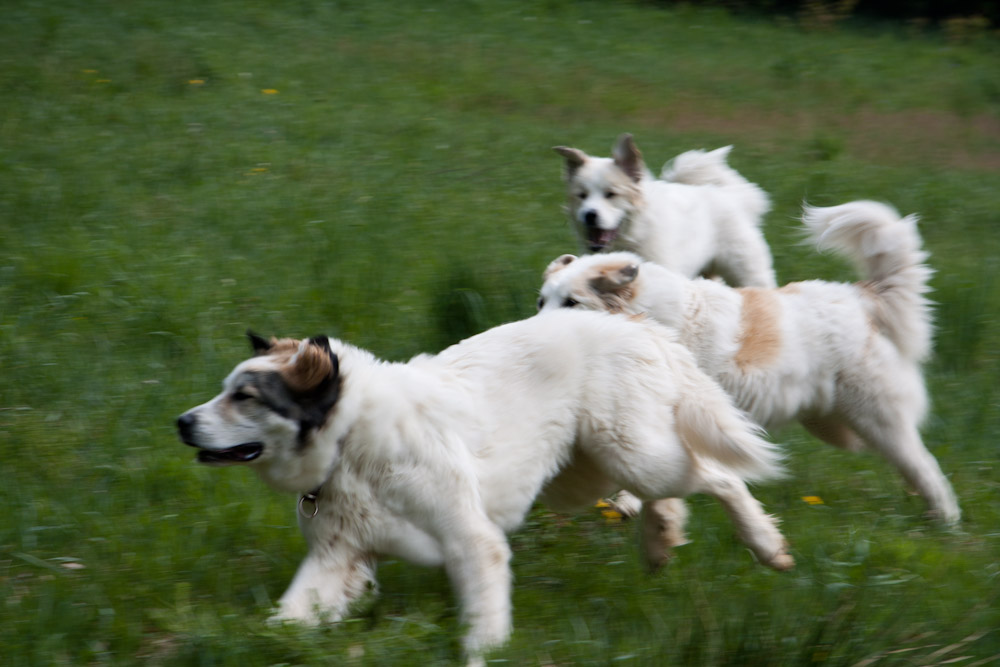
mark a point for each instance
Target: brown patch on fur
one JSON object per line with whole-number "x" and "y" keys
{"x": 790, "y": 288}
{"x": 615, "y": 285}
{"x": 308, "y": 368}
{"x": 760, "y": 337}
{"x": 301, "y": 370}
{"x": 618, "y": 300}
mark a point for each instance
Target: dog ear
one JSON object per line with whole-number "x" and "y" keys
{"x": 312, "y": 376}
{"x": 312, "y": 367}
{"x": 574, "y": 159}
{"x": 558, "y": 264}
{"x": 323, "y": 343}
{"x": 260, "y": 345}
{"x": 627, "y": 157}
{"x": 613, "y": 278}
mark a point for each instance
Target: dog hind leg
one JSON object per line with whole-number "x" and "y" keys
{"x": 746, "y": 261}
{"x": 899, "y": 441}
{"x": 759, "y": 531}
{"x": 834, "y": 431}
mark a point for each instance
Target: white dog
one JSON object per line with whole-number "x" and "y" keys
{"x": 433, "y": 460}
{"x": 843, "y": 359}
{"x": 703, "y": 218}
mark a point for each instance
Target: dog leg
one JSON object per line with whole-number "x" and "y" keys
{"x": 835, "y": 432}
{"x": 662, "y": 529}
{"x": 758, "y": 530}
{"x": 900, "y": 443}
{"x": 625, "y": 504}
{"x": 477, "y": 560}
{"x": 325, "y": 585}
{"x": 747, "y": 262}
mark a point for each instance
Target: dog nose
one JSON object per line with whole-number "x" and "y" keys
{"x": 185, "y": 426}
{"x": 590, "y": 218}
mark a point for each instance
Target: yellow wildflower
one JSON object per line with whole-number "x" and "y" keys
{"x": 611, "y": 516}
{"x": 269, "y": 91}
{"x": 813, "y": 500}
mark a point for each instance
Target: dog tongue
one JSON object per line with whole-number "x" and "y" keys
{"x": 602, "y": 238}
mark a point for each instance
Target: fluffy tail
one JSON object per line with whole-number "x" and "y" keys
{"x": 700, "y": 167}
{"x": 888, "y": 250}
{"x": 712, "y": 426}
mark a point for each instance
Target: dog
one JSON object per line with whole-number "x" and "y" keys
{"x": 843, "y": 359}
{"x": 702, "y": 218}
{"x": 433, "y": 460}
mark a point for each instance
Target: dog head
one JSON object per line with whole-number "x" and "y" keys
{"x": 595, "y": 282}
{"x": 268, "y": 412}
{"x": 603, "y": 193}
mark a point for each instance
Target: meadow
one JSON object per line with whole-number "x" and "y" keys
{"x": 172, "y": 174}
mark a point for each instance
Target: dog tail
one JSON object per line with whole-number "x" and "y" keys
{"x": 888, "y": 250}
{"x": 700, "y": 167}
{"x": 712, "y": 426}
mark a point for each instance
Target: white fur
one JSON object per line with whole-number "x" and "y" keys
{"x": 435, "y": 459}
{"x": 844, "y": 359}
{"x": 702, "y": 218}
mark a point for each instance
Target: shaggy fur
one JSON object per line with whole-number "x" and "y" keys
{"x": 702, "y": 218}
{"x": 435, "y": 459}
{"x": 843, "y": 359}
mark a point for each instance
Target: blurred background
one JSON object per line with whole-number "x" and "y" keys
{"x": 172, "y": 174}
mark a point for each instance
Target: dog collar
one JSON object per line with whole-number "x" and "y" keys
{"x": 306, "y": 500}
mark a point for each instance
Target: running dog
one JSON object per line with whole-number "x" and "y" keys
{"x": 702, "y": 218}
{"x": 843, "y": 359}
{"x": 433, "y": 460}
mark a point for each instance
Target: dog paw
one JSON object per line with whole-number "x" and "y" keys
{"x": 625, "y": 504}
{"x": 782, "y": 560}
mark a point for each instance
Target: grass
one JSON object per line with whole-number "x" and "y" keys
{"x": 397, "y": 190}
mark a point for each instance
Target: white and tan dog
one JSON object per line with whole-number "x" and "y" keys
{"x": 435, "y": 459}
{"x": 702, "y": 218}
{"x": 843, "y": 359}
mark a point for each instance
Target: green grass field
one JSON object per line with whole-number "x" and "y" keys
{"x": 174, "y": 173}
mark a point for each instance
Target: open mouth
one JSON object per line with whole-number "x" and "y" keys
{"x": 238, "y": 454}
{"x": 599, "y": 239}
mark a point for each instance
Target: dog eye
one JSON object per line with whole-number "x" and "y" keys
{"x": 240, "y": 396}
{"x": 540, "y": 303}
{"x": 610, "y": 195}
{"x": 569, "y": 303}
{"x": 581, "y": 195}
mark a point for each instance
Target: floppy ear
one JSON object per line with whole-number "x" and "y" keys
{"x": 312, "y": 368}
{"x": 615, "y": 277}
{"x": 313, "y": 377}
{"x": 259, "y": 344}
{"x": 574, "y": 159}
{"x": 323, "y": 343}
{"x": 558, "y": 264}
{"x": 627, "y": 157}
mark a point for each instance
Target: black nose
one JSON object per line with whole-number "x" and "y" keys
{"x": 185, "y": 427}
{"x": 590, "y": 218}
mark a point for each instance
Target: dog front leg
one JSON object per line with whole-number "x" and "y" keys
{"x": 326, "y": 584}
{"x": 477, "y": 561}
